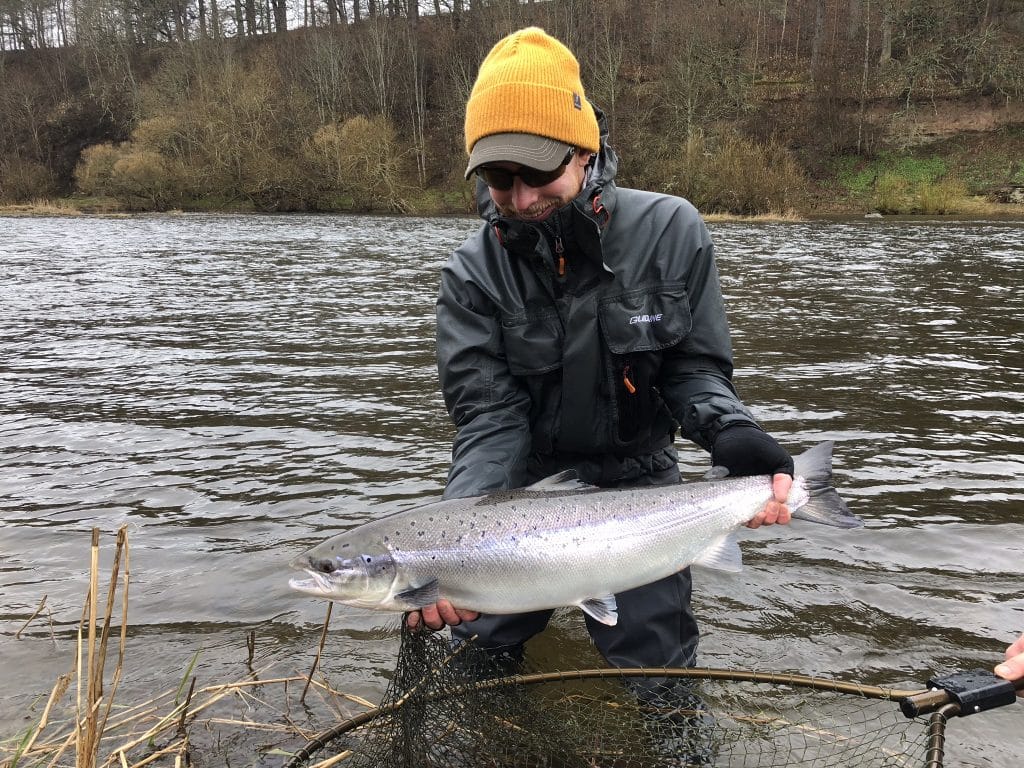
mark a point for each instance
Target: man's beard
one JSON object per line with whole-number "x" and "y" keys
{"x": 547, "y": 204}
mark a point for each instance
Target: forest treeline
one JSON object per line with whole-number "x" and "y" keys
{"x": 746, "y": 106}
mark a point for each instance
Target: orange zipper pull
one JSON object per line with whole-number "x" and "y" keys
{"x": 625, "y": 380}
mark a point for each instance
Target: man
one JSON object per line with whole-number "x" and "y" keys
{"x": 580, "y": 327}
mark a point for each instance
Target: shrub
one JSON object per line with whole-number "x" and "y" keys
{"x": 892, "y": 193}
{"x": 22, "y": 180}
{"x": 943, "y": 196}
{"x": 360, "y": 159}
{"x": 160, "y": 134}
{"x": 141, "y": 179}
{"x": 95, "y": 168}
{"x": 739, "y": 176}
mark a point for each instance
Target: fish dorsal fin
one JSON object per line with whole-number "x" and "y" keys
{"x": 417, "y": 597}
{"x": 566, "y": 480}
{"x": 716, "y": 473}
{"x": 602, "y": 609}
{"x": 722, "y": 555}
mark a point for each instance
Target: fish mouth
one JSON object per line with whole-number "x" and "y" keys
{"x": 318, "y": 584}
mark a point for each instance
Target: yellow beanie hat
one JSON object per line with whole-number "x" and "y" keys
{"x": 528, "y": 87}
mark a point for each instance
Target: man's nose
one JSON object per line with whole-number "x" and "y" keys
{"x": 523, "y": 195}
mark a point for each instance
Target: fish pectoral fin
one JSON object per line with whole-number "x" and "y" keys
{"x": 603, "y": 609}
{"x": 722, "y": 555}
{"x": 417, "y": 597}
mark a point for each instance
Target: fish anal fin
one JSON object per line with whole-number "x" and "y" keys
{"x": 602, "y": 609}
{"x": 417, "y": 597}
{"x": 723, "y": 555}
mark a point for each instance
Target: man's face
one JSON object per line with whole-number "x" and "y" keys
{"x": 528, "y": 203}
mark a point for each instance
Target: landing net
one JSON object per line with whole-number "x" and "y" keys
{"x": 460, "y": 708}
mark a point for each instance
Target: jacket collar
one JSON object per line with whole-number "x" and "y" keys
{"x": 589, "y": 212}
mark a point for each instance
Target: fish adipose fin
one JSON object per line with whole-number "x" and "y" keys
{"x": 716, "y": 473}
{"x": 603, "y": 609}
{"x": 722, "y": 555}
{"x": 824, "y": 505}
{"x": 417, "y": 597}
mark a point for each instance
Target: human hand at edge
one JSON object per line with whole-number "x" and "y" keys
{"x": 438, "y": 616}
{"x": 1013, "y": 667}
{"x": 775, "y": 511}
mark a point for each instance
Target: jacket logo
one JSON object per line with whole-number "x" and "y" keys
{"x": 645, "y": 319}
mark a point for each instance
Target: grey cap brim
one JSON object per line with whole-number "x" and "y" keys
{"x": 522, "y": 148}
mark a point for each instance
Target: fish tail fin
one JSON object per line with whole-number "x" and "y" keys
{"x": 823, "y": 504}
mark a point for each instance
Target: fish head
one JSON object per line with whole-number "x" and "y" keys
{"x": 354, "y": 572}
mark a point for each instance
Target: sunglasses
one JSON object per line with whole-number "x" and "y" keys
{"x": 502, "y": 179}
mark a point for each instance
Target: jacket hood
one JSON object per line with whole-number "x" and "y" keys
{"x": 600, "y": 181}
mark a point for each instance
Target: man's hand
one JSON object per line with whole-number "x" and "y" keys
{"x": 438, "y": 616}
{"x": 775, "y": 511}
{"x": 1013, "y": 667}
{"x": 744, "y": 449}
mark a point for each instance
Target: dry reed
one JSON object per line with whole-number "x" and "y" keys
{"x": 159, "y": 730}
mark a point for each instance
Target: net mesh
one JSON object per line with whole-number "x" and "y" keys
{"x": 461, "y": 707}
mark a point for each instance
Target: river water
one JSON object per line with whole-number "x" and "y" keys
{"x": 236, "y": 388}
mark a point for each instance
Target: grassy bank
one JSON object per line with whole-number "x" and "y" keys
{"x": 967, "y": 175}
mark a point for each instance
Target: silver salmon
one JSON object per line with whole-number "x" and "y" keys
{"x": 555, "y": 543}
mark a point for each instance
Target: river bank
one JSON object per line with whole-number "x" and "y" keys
{"x": 968, "y": 208}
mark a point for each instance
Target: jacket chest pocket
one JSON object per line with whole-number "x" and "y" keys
{"x": 645, "y": 320}
{"x": 533, "y": 342}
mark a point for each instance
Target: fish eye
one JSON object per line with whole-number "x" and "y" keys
{"x": 367, "y": 559}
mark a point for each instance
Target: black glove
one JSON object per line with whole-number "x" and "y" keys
{"x": 744, "y": 449}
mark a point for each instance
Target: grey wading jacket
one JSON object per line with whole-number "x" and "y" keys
{"x": 593, "y": 362}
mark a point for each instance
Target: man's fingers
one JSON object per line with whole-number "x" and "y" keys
{"x": 448, "y": 613}
{"x": 1012, "y": 668}
{"x": 467, "y": 615}
{"x": 432, "y": 617}
{"x": 1016, "y": 649}
{"x": 773, "y": 513}
{"x": 780, "y": 487}
{"x": 437, "y": 616}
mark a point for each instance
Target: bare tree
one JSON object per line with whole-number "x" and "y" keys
{"x": 818, "y": 38}
{"x": 378, "y": 51}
